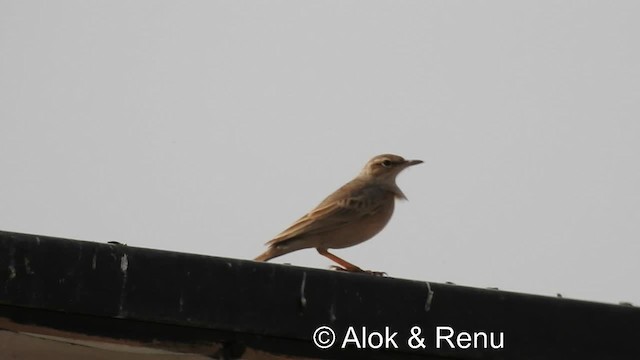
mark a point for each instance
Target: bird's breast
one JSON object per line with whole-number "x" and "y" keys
{"x": 364, "y": 227}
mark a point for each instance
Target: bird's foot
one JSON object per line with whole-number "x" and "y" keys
{"x": 376, "y": 273}
{"x": 358, "y": 270}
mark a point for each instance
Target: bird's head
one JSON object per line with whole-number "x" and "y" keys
{"x": 384, "y": 168}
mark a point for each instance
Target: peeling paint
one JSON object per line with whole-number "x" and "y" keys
{"x": 427, "y": 304}
{"x": 12, "y": 264}
{"x": 27, "y": 266}
{"x": 303, "y": 299}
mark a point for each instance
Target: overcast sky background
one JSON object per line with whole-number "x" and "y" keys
{"x": 210, "y": 126}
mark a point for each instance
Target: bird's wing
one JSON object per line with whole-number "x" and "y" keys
{"x": 329, "y": 216}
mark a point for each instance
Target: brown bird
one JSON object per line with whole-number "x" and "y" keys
{"x": 352, "y": 214}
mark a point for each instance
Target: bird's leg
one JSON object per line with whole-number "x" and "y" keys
{"x": 346, "y": 266}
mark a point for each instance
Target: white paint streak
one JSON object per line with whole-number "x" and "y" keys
{"x": 124, "y": 263}
{"x": 124, "y": 266}
{"x": 332, "y": 312}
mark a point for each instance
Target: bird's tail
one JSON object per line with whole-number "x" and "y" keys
{"x": 284, "y": 247}
{"x": 271, "y": 253}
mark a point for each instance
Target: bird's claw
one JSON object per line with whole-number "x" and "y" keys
{"x": 376, "y": 273}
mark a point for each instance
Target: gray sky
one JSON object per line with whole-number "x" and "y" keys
{"x": 208, "y": 127}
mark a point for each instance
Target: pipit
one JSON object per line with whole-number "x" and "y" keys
{"x": 352, "y": 214}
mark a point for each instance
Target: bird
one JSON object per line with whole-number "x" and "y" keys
{"x": 354, "y": 213}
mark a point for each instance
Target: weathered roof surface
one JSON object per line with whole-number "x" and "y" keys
{"x": 58, "y": 296}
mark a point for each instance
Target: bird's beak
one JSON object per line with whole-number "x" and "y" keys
{"x": 413, "y": 162}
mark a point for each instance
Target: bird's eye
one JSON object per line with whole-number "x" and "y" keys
{"x": 386, "y": 163}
